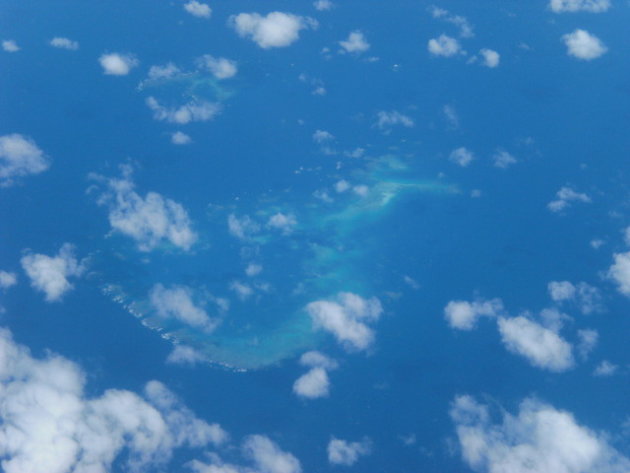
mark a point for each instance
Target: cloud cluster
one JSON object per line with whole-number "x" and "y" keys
{"x": 49, "y": 274}
{"x": 572, "y": 6}
{"x": 10, "y": 46}
{"x": 314, "y": 383}
{"x": 200, "y": 10}
{"x": 539, "y": 438}
{"x": 116, "y": 64}
{"x": 586, "y": 297}
{"x": 347, "y": 318}
{"x": 193, "y": 111}
{"x": 150, "y": 220}
{"x": 20, "y": 156}
{"x": 465, "y": 28}
{"x": 461, "y": 156}
{"x": 538, "y": 342}
{"x": 386, "y": 120}
{"x": 503, "y": 159}
{"x": 342, "y": 452}
{"x": 490, "y": 57}
{"x": 7, "y": 279}
{"x": 583, "y": 45}
{"x": 275, "y": 30}
{"x": 48, "y": 423}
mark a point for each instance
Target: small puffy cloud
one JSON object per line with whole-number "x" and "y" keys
{"x": 444, "y": 46}
{"x": 282, "y": 222}
{"x": 619, "y": 272}
{"x": 539, "y": 438}
{"x": 166, "y": 71}
{"x": 242, "y": 228}
{"x": 355, "y": 43}
{"x": 117, "y": 64}
{"x": 583, "y": 45}
{"x": 20, "y": 156}
{"x": 49, "y": 274}
{"x": 10, "y": 46}
{"x": 275, "y": 30}
{"x": 565, "y": 197}
{"x": 386, "y": 120}
{"x": 451, "y": 115}
{"x": 503, "y": 159}
{"x": 49, "y": 424}
{"x": 342, "y": 186}
{"x": 572, "y": 6}
{"x": 322, "y": 136}
{"x": 463, "y": 315}
{"x": 253, "y": 269}
{"x": 242, "y": 290}
{"x": 193, "y": 111}
{"x": 323, "y": 5}
{"x": 268, "y": 457}
{"x": 150, "y": 220}
{"x": 177, "y": 302}
{"x": 587, "y": 342}
{"x": 220, "y": 67}
{"x": 587, "y": 297}
{"x": 347, "y": 318}
{"x": 316, "y": 359}
{"x": 605, "y": 368}
{"x": 342, "y": 452}
{"x": 7, "y": 279}
{"x": 465, "y": 29}
{"x": 198, "y": 9}
{"x": 541, "y": 346}
{"x": 64, "y": 43}
{"x": 312, "y": 385}
{"x": 490, "y": 58}
{"x": 185, "y": 355}
{"x": 180, "y": 138}
{"x": 461, "y": 156}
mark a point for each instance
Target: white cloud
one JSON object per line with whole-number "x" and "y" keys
{"x": 48, "y": 424}
{"x": 49, "y": 274}
{"x": 312, "y": 385}
{"x": 444, "y": 46}
{"x": 592, "y": 6}
{"x": 198, "y": 9}
{"x": 10, "y": 46}
{"x": 316, "y": 359}
{"x": 323, "y": 5}
{"x": 583, "y": 45}
{"x": 539, "y": 439}
{"x": 564, "y": 197}
{"x": 193, "y": 111}
{"x": 20, "y": 156}
{"x": 385, "y": 120}
{"x": 163, "y": 72}
{"x": 490, "y": 57}
{"x": 587, "y": 342}
{"x": 461, "y": 156}
{"x": 180, "y": 138}
{"x": 322, "y": 136}
{"x": 619, "y": 272}
{"x": 283, "y": 222}
{"x": 587, "y": 297}
{"x": 541, "y": 346}
{"x": 268, "y": 457}
{"x": 116, "y": 64}
{"x": 465, "y": 29}
{"x": 242, "y": 228}
{"x": 185, "y": 355}
{"x": 276, "y": 30}
{"x": 347, "y": 318}
{"x": 605, "y": 368}
{"x": 342, "y": 452}
{"x": 355, "y": 43}
{"x": 177, "y": 303}
{"x": 220, "y": 67}
{"x": 150, "y": 220}
{"x": 64, "y": 43}
{"x": 503, "y": 159}
{"x": 7, "y": 279}
{"x": 451, "y": 115}
{"x": 243, "y": 291}
{"x": 342, "y": 186}
{"x": 463, "y": 315}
